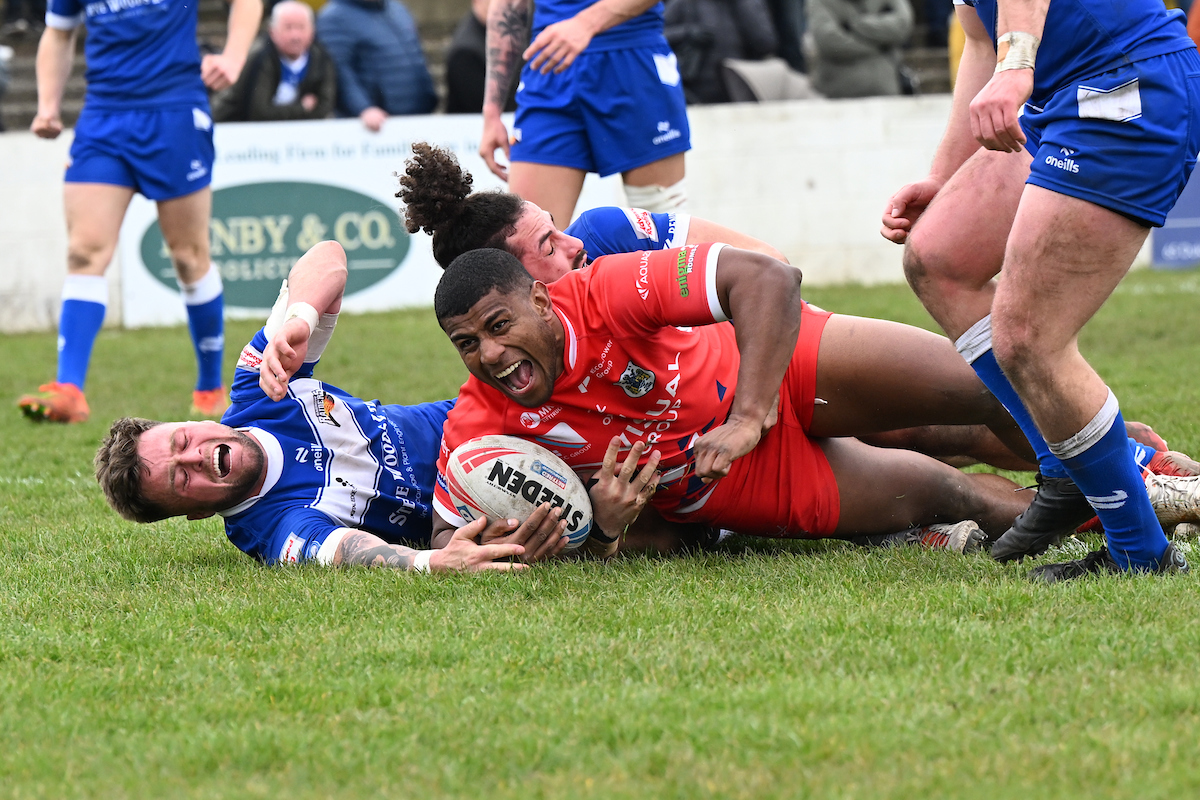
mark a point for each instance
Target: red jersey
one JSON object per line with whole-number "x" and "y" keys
{"x": 634, "y": 367}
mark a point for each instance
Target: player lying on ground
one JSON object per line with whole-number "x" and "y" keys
{"x": 320, "y": 476}
{"x": 909, "y": 388}
{"x": 294, "y": 486}
{"x": 1074, "y": 129}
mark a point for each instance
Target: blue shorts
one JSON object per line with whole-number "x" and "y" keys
{"x": 1125, "y": 140}
{"x": 610, "y": 111}
{"x": 161, "y": 154}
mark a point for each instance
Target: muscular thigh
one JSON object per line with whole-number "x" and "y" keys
{"x": 964, "y": 230}
{"x": 875, "y": 375}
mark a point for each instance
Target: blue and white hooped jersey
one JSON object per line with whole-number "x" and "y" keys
{"x": 643, "y": 30}
{"x": 609, "y": 230}
{"x": 1084, "y": 38}
{"x": 333, "y": 461}
{"x": 139, "y": 52}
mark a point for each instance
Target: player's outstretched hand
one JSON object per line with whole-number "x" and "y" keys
{"x": 283, "y": 355}
{"x": 462, "y": 554}
{"x": 557, "y": 46}
{"x": 47, "y": 126}
{"x": 541, "y": 535}
{"x": 493, "y": 138}
{"x": 905, "y": 206}
{"x": 994, "y": 111}
{"x": 620, "y": 494}
{"x": 219, "y": 71}
{"x": 716, "y": 450}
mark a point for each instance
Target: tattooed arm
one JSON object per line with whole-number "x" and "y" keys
{"x": 507, "y": 34}
{"x": 461, "y": 553}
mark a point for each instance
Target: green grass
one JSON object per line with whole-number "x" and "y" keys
{"x": 148, "y": 661}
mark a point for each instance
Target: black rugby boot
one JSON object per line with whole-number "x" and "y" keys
{"x": 1058, "y": 508}
{"x": 1100, "y": 562}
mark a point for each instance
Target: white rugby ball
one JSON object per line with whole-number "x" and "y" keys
{"x": 502, "y": 477}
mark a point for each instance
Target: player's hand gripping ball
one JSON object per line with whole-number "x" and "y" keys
{"x": 501, "y": 477}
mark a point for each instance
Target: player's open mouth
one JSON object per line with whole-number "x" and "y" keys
{"x": 221, "y": 456}
{"x": 518, "y": 376}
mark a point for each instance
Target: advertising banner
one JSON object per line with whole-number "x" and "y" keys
{"x": 281, "y": 187}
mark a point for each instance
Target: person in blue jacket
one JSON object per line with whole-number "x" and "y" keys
{"x": 381, "y": 66}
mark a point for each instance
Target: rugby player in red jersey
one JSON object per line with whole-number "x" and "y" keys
{"x": 630, "y": 352}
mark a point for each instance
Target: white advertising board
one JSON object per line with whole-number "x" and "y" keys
{"x": 280, "y": 187}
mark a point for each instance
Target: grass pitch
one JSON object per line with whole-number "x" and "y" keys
{"x": 155, "y": 661}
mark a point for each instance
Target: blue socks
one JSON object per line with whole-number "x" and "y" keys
{"x": 205, "y": 302}
{"x": 1097, "y": 459}
{"x": 1101, "y": 459}
{"x": 84, "y": 301}
{"x": 976, "y": 347}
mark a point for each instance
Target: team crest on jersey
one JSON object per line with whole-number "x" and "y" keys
{"x": 323, "y": 405}
{"x": 635, "y": 380}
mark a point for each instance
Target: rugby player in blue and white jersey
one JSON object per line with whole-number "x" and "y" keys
{"x": 145, "y": 127}
{"x": 301, "y": 470}
{"x": 600, "y": 92}
{"x": 1074, "y": 128}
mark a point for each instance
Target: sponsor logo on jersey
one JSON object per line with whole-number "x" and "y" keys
{"x": 642, "y": 284}
{"x": 642, "y": 223}
{"x": 1066, "y": 163}
{"x": 323, "y": 405}
{"x": 345, "y": 484}
{"x": 635, "y": 380}
{"x": 291, "y": 548}
{"x": 683, "y": 265}
{"x": 250, "y": 359}
{"x": 531, "y": 419}
{"x": 518, "y": 484}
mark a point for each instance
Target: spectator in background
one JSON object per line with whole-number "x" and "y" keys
{"x": 287, "y": 76}
{"x": 854, "y": 45}
{"x": 703, "y": 33}
{"x": 22, "y": 18}
{"x": 381, "y": 67}
{"x": 466, "y": 64}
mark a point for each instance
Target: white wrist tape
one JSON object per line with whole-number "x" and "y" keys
{"x": 305, "y": 312}
{"x": 421, "y": 561}
{"x": 1016, "y": 50}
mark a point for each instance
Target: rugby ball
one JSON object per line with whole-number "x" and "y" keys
{"x": 502, "y": 477}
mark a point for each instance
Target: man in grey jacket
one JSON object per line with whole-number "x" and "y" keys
{"x": 381, "y": 67}
{"x": 853, "y": 45}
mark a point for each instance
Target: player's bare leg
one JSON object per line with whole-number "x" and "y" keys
{"x": 874, "y": 375}
{"x": 657, "y": 186}
{"x": 956, "y": 445}
{"x": 185, "y": 227}
{"x": 93, "y": 212}
{"x": 554, "y": 189}
{"x": 1065, "y": 256}
{"x": 957, "y": 245}
{"x": 883, "y": 491}
{"x": 185, "y": 224}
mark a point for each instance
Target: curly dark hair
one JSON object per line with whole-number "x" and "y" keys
{"x": 119, "y": 470}
{"x": 437, "y": 199}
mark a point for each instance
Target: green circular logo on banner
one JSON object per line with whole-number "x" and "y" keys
{"x": 259, "y": 230}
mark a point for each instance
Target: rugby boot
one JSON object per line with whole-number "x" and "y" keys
{"x": 957, "y": 537}
{"x": 55, "y": 402}
{"x": 1143, "y": 434}
{"x": 1174, "y": 499}
{"x": 1058, "y": 508}
{"x": 1100, "y": 562}
{"x": 210, "y": 403}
